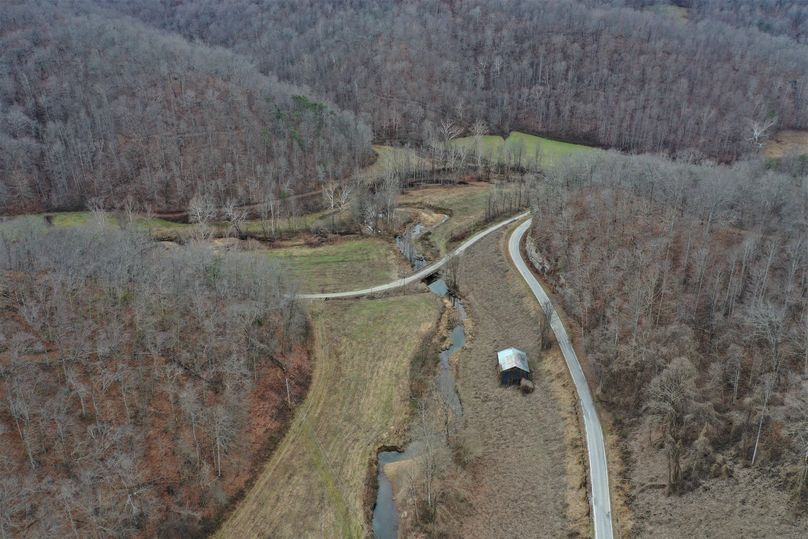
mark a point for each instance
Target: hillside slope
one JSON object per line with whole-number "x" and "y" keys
{"x": 96, "y": 106}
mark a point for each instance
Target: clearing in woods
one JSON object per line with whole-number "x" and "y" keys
{"x": 529, "y": 151}
{"x": 677, "y": 13}
{"x": 78, "y": 218}
{"x": 787, "y": 143}
{"x": 394, "y": 158}
{"x": 164, "y": 229}
{"x": 359, "y": 399}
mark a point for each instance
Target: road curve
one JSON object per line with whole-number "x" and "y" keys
{"x": 598, "y": 471}
{"x": 418, "y": 275}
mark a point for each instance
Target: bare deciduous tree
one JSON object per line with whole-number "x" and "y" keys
{"x": 670, "y": 396}
{"x": 236, "y": 216}
{"x": 760, "y": 130}
{"x": 202, "y": 211}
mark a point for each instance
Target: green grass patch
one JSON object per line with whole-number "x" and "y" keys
{"x": 521, "y": 149}
{"x": 394, "y": 158}
{"x": 79, "y": 218}
{"x": 543, "y": 151}
{"x": 677, "y": 13}
{"x": 489, "y": 146}
{"x": 345, "y": 265}
{"x": 297, "y": 223}
{"x": 72, "y": 218}
{"x": 164, "y": 229}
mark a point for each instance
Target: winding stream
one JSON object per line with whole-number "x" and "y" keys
{"x": 385, "y": 514}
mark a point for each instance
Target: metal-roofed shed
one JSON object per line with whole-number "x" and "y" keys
{"x": 512, "y": 366}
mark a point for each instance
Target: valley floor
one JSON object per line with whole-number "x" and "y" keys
{"x": 529, "y": 465}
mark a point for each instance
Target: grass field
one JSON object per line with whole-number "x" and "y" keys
{"x": 347, "y": 264}
{"x": 78, "y": 218}
{"x": 490, "y": 145}
{"x": 314, "y": 483}
{"x": 522, "y": 149}
{"x": 677, "y": 13}
{"x": 158, "y": 227}
{"x": 162, "y": 228}
{"x": 298, "y": 223}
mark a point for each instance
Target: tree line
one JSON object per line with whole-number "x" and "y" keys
{"x": 776, "y": 17}
{"x": 100, "y": 106}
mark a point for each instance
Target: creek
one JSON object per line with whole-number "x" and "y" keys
{"x": 385, "y": 513}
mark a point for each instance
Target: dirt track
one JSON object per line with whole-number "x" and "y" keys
{"x": 521, "y": 470}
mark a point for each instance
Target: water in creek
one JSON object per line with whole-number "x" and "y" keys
{"x": 385, "y": 513}
{"x": 446, "y": 377}
{"x": 406, "y": 245}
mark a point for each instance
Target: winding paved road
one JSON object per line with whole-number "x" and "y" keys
{"x": 420, "y": 274}
{"x": 598, "y": 471}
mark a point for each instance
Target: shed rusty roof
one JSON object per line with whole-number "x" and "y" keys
{"x": 512, "y": 357}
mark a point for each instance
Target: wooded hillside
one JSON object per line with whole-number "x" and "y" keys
{"x": 690, "y": 285}
{"x": 610, "y": 76}
{"x": 139, "y": 384}
{"x": 103, "y": 108}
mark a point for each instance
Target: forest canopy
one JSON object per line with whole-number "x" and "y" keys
{"x": 250, "y": 103}
{"x": 691, "y": 302}
{"x": 104, "y": 108}
{"x": 146, "y": 369}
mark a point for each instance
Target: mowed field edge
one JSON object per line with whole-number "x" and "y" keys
{"x": 314, "y": 483}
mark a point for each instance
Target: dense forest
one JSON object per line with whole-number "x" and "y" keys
{"x": 690, "y": 287}
{"x": 142, "y": 383}
{"x": 102, "y": 108}
{"x": 616, "y": 77}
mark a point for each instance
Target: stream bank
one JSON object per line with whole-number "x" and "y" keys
{"x": 385, "y": 520}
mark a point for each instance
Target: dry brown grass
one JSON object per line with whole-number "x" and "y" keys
{"x": 522, "y": 468}
{"x": 554, "y": 370}
{"x": 314, "y": 483}
{"x": 466, "y": 203}
{"x": 623, "y": 518}
{"x": 787, "y": 142}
